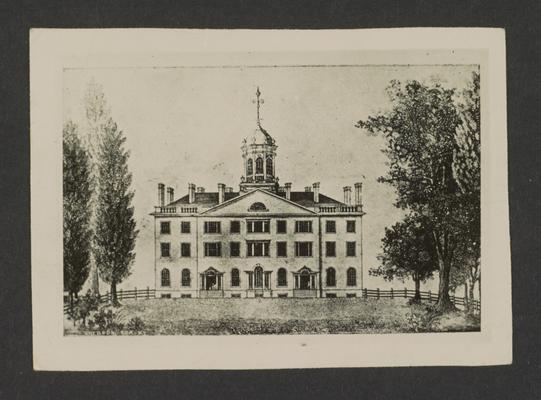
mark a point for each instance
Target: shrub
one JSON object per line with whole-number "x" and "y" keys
{"x": 136, "y": 326}
{"x": 82, "y": 307}
{"x": 106, "y": 322}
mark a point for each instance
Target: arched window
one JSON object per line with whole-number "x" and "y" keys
{"x": 250, "y": 167}
{"x": 186, "y": 280}
{"x": 235, "y": 277}
{"x": 331, "y": 277}
{"x": 258, "y": 272}
{"x": 269, "y": 166}
{"x": 282, "y": 277}
{"x": 258, "y": 207}
{"x": 166, "y": 277}
{"x": 259, "y": 165}
{"x": 351, "y": 277}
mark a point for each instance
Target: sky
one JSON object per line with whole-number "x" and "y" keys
{"x": 186, "y": 124}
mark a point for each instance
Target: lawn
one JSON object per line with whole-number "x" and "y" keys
{"x": 281, "y": 316}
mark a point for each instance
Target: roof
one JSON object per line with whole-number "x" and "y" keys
{"x": 210, "y": 199}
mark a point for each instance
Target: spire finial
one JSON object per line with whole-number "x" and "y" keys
{"x": 258, "y": 101}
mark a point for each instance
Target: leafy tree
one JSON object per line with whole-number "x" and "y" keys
{"x": 76, "y": 208}
{"x": 420, "y": 142}
{"x": 97, "y": 115}
{"x": 115, "y": 225}
{"x": 408, "y": 252}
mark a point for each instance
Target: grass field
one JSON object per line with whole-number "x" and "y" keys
{"x": 283, "y": 316}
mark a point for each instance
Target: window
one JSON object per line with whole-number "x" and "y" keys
{"x": 281, "y": 226}
{"x": 165, "y": 228}
{"x": 351, "y": 295}
{"x": 282, "y": 277}
{"x": 282, "y": 295}
{"x": 258, "y": 206}
{"x": 185, "y": 277}
{"x": 351, "y": 277}
{"x": 303, "y": 226}
{"x": 330, "y": 226}
{"x": 165, "y": 249}
{"x": 350, "y": 249}
{"x": 258, "y": 249}
{"x": 185, "y": 250}
{"x": 281, "y": 249}
{"x": 234, "y": 227}
{"x": 259, "y": 165}
{"x": 331, "y": 295}
{"x": 185, "y": 227}
{"x": 234, "y": 249}
{"x": 250, "y": 167}
{"x": 258, "y": 274}
{"x": 330, "y": 249}
{"x": 213, "y": 249}
{"x": 185, "y": 296}
{"x": 235, "y": 277}
{"x": 269, "y": 168}
{"x": 212, "y": 227}
{"x": 165, "y": 295}
{"x": 331, "y": 277}
{"x": 303, "y": 249}
{"x": 258, "y": 226}
{"x": 235, "y": 296}
{"x": 350, "y": 226}
{"x": 166, "y": 278}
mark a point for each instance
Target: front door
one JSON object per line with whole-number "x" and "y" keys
{"x": 304, "y": 281}
{"x": 210, "y": 282}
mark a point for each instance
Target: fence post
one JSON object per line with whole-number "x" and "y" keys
{"x": 120, "y": 294}
{"x": 148, "y": 293}
{"x": 378, "y": 292}
{"x": 392, "y": 294}
{"x": 107, "y": 297}
{"x": 135, "y": 290}
{"x": 405, "y": 293}
{"x": 365, "y": 293}
{"x": 429, "y": 296}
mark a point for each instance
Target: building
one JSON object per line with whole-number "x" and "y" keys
{"x": 264, "y": 240}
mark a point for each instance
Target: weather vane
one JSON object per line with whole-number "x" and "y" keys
{"x": 258, "y": 101}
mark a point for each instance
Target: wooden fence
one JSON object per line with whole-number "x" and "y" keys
{"x": 459, "y": 302}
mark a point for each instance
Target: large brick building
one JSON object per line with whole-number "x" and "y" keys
{"x": 264, "y": 240}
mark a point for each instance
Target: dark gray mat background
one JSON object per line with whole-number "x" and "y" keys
{"x": 519, "y": 381}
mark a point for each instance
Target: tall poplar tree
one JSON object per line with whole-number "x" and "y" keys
{"x": 115, "y": 224}
{"x": 77, "y": 192}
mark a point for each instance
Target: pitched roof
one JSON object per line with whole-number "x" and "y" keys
{"x": 210, "y": 199}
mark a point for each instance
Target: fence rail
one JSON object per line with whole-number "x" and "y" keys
{"x": 373, "y": 293}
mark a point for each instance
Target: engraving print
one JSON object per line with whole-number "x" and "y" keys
{"x": 242, "y": 200}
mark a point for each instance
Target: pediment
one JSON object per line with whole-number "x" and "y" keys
{"x": 258, "y": 203}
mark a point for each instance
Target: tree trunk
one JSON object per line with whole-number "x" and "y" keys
{"x": 114, "y": 299}
{"x": 417, "y": 296}
{"x": 94, "y": 278}
{"x": 444, "y": 303}
{"x": 470, "y": 302}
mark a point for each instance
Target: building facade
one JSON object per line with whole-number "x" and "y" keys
{"x": 263, "y": 240}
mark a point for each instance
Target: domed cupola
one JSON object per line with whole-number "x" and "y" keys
{"x": 259, "y": 153}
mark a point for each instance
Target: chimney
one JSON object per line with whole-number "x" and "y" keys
{"x": 200, "y": 189}
{"x": 221, "y": 193}
{"x": 307, "y": 189}
{"x": 161, "y": 194}
{"x": 171, "y": 194}
{"x": 347, "y": 195}
{"x": 191, "y": 193}
{"x": 358, "y": 194}
{"x": 229, "y": 189}
{"x": 316, "y": 192}
{"x": 288, "y": 190}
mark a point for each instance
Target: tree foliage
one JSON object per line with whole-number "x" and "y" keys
{"x": 77, "y": 192}
{"x": 115, "y": 224}
{"x": 407, "y": 252}
{"x": 421, "y": 145}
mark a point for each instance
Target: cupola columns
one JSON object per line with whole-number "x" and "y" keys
{"x": 170, "y": 194}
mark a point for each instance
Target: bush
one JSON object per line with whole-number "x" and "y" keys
{"x": 136, "y": 326}
{"x": 106, "y": 322}
{"x": 82, "y": 307}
